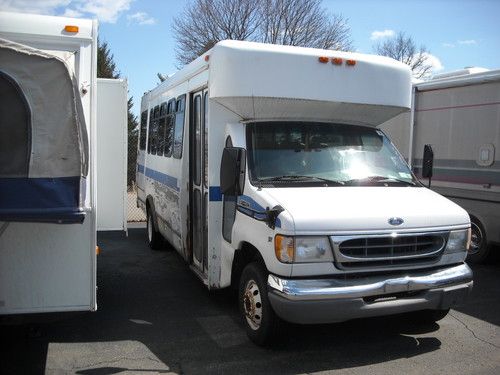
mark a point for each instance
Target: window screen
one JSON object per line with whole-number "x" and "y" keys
{"x": 15, "y": 129}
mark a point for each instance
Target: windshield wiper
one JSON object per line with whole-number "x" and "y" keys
{"x": 379, "y": 179}
{"x": 300, "y": 178}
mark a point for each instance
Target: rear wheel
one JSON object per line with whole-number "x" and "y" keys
{"x": 154, "y": 237}
{"x": 261, "y": 323}
{"x": 479, "y": 250}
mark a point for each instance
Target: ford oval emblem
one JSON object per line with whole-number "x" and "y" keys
{"x": 396, "y": 221}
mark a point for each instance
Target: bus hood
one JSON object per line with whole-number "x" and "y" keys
{"x": 346, "y": 209}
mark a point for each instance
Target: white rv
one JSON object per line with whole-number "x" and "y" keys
{"x": 458, "y": 115}
{"x": 263, "y": 167}
{"x": 47, "y": 164}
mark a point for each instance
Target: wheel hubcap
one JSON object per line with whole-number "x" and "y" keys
{"x": 476, "y": 240}
{"x": 252, "y": 304}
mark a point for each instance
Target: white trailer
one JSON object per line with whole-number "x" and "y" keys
{"x": 47, "y": 164}
{"x": 263, "y": 167}
{"x": 111, "y": 154}
{"x": 458, "y": 114}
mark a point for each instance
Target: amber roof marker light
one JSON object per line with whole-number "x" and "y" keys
{"x": 350, "y": 62}
{"x": 323, "y": 59}
{"x": 71, "y": 28}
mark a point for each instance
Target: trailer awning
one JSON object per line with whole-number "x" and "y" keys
{"x": 43, "y": 139}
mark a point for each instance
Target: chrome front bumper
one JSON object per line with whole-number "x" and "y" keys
{"x": 335, "y": 300}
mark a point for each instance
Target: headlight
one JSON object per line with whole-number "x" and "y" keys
{"x": 302, "y": 249}
{"x": 458, "y": 240}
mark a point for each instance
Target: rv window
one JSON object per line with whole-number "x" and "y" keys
{"x": 144, "y": 126}
{"x": 179, "y": 126}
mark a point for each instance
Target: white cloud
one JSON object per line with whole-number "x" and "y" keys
{"x": 468, "y": 41}
{"x": 104, "y": 10}
{"x": 31, "y": 6}
{"x": 382, "y": 34}
{"x": 142, "y": 18}
{"x": 434, "y": 62}
{"x": 448, "y": 45}
{"x": 71, "y": 13}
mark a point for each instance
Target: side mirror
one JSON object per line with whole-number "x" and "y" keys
{"x": 232, "y": 171}
{"x": 427, "y": 163}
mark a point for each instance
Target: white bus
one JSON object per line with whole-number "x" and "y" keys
{"x": 47, "y": 164}
{"x": 263, "y": 167}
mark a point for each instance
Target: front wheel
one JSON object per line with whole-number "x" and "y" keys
{"x": 479, "y": 250}
{"x": 154, "y": 237}
{"x": 261, "y": 323}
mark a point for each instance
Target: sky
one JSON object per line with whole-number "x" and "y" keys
{"x": 458, "y": 33}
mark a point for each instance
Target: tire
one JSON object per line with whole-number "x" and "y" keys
{"x": 429, "y": 316}
{"x": 261, "y": 323}
{"x": 154, "y": 237}
{"x": 479, "y": 249}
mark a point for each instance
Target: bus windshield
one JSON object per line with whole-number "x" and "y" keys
{"x": 311, "y": 154}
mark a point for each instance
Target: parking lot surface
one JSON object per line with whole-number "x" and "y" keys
{"x": 154, "y": 316}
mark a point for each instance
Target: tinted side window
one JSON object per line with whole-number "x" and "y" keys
{"x": 169, "y": 129}
{"x": 150, "y": 130}
{"x": 144, "y": 127}
{"x": 179, "y": 126}
{"x": 161, "y": 129}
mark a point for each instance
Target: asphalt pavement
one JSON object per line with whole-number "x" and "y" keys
{"x": 155, "y": 316}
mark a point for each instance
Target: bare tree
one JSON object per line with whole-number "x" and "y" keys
{"x": 205, "y": 22}
{"x": 404, "y": 49}
{"x": 304, "y": 23}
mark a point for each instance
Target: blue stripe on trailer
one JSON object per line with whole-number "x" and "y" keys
{"x": 40, "y": 199}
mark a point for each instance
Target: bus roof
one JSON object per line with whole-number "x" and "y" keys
{"x": 265, "y": 81}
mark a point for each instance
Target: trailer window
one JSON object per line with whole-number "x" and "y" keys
{"x": 144, "y": 127}
{"x": 179, "y": 126}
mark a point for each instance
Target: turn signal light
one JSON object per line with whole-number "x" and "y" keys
{"x": 71, "y": 28}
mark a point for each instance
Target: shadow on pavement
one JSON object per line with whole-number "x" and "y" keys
{"x": 150, "y": 299}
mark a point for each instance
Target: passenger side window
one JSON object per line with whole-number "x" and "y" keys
{"x": 169, "y": 127}
{"x": 180, "y": 108}
{"x": 161, "y": 129}
{"x": 144, "y": 127}
{"x": 150, "y": 130}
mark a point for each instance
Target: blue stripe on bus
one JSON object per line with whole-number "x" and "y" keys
{"x": 162, "y": 178}
{"x": 214, "y": 194}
